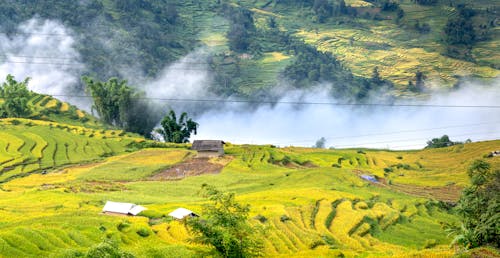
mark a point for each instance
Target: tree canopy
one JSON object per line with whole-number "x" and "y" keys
{"x": 442, "y": 142}
{"x": 224, "y": 225}
{"x": 119, "y": 104}
{"x": 479, "y": 207}
{"x": 177, "y": 131}
{"x": 16, "y": 96}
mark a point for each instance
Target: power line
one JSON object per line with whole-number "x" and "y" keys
{"x": 80, "y": 65}
{"x": 272, "y": 102}
{"x": 37, "y": 57}
{"x": 410, "y": 140}
{"x": 393, "y": 132}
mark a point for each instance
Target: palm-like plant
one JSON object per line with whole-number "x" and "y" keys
{"x": 177, "y": 131}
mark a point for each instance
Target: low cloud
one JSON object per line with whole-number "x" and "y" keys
{"x": 394, "y": 127}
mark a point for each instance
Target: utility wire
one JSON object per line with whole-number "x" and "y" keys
{"x": 410, "y": 140}
{"x": 393, "y": 132}
{"x": 298, "y": 102}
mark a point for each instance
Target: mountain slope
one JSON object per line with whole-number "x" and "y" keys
{"x": 116, "y": 37}
{"x": 311, "y": 202}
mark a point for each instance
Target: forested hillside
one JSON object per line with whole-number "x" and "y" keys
{"x": 359, "y": 46}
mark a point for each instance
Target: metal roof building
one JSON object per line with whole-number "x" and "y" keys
{"x": 208, "y": 148}
{"x": 122, "y": 208}
{"x": 181, "y": 213}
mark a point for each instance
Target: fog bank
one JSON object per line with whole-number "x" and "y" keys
{"x": 394, "y": 127}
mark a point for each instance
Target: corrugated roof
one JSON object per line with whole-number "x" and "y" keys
{"x": 208, "y": 145}
{"x": 123, "y": 208}
{"x": 181, "y": 213}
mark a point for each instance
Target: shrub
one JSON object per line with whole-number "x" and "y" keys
{"x": 122, "y": 226}
{"x": 260, "y": 218}
{"x": 143, "y": 232}
{"x": 284, "y": 218}
{"x": 107, "y": 249}
{"x": 430, "y": 243}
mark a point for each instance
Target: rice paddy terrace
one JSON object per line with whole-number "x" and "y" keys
{"x": 307, "y": 202}
{"x": 362, "y": 44}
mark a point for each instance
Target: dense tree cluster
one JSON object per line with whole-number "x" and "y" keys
{"x": 425, "y": 2}
{"x": 324, "y": 9}
{"x": 15, "y": 98}
{"x": 242, "y": 28}
{"x": 145, "y": 33}
{"x": 120, "y": 105}
{"x": 442, "y": 142}
{"x": 460, "y": 34}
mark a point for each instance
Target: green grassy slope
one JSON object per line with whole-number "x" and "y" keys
{"x": 331, "y": 209}
{"x": 32, "y": 146}
{"x": 48, "y": 108}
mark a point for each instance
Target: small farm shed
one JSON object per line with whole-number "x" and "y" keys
{"x": 181, "y": 213}
{"x": 122, "y": 208}
{"x": 209, "y": 148}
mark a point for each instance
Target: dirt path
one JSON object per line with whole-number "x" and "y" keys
{"x": 192, "y": 167}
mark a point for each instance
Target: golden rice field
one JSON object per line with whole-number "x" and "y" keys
{"x": 311, "y": 207}
{"x": 396, "y": 49}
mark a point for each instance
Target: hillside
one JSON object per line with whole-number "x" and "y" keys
{"x": 329, "y": 209}
{"x": 253, "y": 45}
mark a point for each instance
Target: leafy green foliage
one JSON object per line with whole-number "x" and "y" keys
{"x": 224, "y": 225}
{"x": 177, "y": 131}
{"x": 479, "y": 207}
{"x": 120, "y": 105}
{"x": 148, "y": 33}
{"x": 107, "y": 249}
{"x": 442, "y": 142}
{"x": 242, "y": 27}
{"x": 16, "y": 95}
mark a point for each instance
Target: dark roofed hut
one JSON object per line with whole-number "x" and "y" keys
{"x": 208, "y": 148}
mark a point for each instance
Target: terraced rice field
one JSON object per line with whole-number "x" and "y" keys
{"x": 28, "y": 146}
{"x": 313, "y": 201}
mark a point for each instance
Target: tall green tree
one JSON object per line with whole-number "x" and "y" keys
{"x": 479, "y": 207}
{"x": 177, "y": 131}
{"x": 16, "y": 96}
{"x": 120, "y": 105}
{"x": 111, "y": 99}
{"x": 224, "y": 225}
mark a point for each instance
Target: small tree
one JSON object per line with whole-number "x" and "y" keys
{"x": 479, "y": 207}
{"x": 177, "y": 131}
{"x": 320, "y": 143}
{"x": 376, "y": 79}
{"x": 16, "y": 96}
{"x": 224, "y": 225}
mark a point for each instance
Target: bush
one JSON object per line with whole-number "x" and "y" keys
{"x": 143, "y": 232}
{"x": 107, "y": 249}
{"x": 122, "y": 226}
{"x": 430, "y": 243}
{"x": 260, "y": 218}
{"x": 284, "y": 218}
